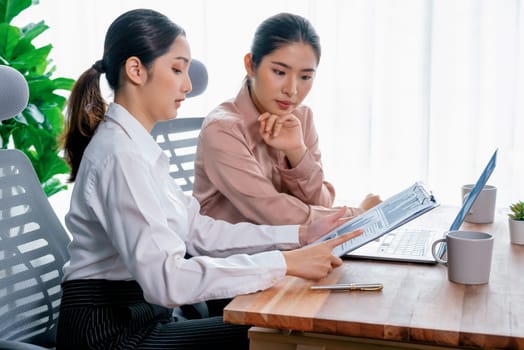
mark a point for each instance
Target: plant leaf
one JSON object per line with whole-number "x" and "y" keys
{"x": 20, "y": 118}
{"x": 35, "y": 131}
{"x": 64, "y": 83}
{"x": 517, "y": 210}
{"x": 9, "y": 37}
{"x": 21, "y": 137}
{"x": 5, "y": 136}
{"x": 27, "y": 34}
{"x": 52, "y": 164}
{"x": 54, "y": 119}
{"x": 21, "y": 47}
{"x": 53, "y": 186}
{"x": 36, "y": 115}
{"x": 32, "y": 30}
{"x": 40, "y": 89}
{"x": 31, "y": 61}
{"x": 9, "y": 9}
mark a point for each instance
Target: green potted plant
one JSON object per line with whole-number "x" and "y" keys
{"x": 36, "y": 130}
{"x": 516, "y": 222}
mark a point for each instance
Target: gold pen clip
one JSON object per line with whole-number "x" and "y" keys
{"x": 350, "y": 286}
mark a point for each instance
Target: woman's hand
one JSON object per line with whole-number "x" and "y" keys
{"x": 370, "y": 201}
{"x": 285, "y": 134}
{"x": 316, "y": 261}
{"x": 318, "y": 228}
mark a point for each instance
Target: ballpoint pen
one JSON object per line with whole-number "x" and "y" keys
{"x": 349, "y": 286}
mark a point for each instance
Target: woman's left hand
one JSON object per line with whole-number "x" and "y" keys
{"x": 318, "y": 228}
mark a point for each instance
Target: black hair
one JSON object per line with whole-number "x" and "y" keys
{"x": 283, "y": 29}
{"x": 146, "y": 34}
{"x": 142, "y": 33}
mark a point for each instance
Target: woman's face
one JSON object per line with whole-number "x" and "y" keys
{"x": 168, "y": 82}
{"x": 283, "y": 78}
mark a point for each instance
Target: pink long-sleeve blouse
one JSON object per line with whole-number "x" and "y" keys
{"x": 240, "y": 178}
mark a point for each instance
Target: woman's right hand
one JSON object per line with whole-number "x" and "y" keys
{"x": 316, "y": 261}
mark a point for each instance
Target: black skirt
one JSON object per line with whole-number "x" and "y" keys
{"x": 101, "y": 314}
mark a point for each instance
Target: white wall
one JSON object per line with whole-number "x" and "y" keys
{"x": 406, "y": 90}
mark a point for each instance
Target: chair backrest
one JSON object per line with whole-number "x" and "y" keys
{"x": 33, "y": 250}
{"x": 178, "y": 138}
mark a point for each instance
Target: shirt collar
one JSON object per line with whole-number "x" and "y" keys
{"x": 245, "y": 104}
{"x": 136, "y": 132}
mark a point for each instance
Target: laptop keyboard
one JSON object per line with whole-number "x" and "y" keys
{"x": 411, "y": 242}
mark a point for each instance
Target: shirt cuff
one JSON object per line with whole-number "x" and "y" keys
{"x": 272, "y": 269}
{"x": 354, "y": 211}
{"x": 274, "y": 262}
{"x": 287, "y": 237}
{"x": 304, "y": 169}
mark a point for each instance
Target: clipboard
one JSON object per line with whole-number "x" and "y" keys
{"x": 392, "y": 213}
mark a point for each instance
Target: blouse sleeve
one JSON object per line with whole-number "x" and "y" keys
{"x": 128, "y": 205}
{"x": 236, "y": 173}
{"x": 306, "y": 180}
{"x": 219, "y": 238}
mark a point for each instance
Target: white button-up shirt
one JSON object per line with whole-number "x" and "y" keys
{"x": 131, "y": 221}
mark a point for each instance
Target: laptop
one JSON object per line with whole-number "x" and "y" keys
{"x": 413, "y": 244}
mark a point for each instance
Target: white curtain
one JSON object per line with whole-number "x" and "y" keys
{"x": 406, "y": 90}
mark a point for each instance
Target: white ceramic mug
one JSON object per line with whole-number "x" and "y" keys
{"x": 468, "y": 256}
{"x": 483, "y": 210}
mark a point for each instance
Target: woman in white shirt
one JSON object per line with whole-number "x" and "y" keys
{"x": 132, "y": 225}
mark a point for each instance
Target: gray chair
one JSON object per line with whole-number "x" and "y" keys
{"x": 178, "y": 138}
{"x": 33, "y": 250}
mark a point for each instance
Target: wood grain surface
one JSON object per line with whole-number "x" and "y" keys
{"x": 418, "y": 304}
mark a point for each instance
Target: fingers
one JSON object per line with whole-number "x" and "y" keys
{"x": 272, "y": 124}
{"x": 340, "y": 217}
{"x": 343, "y": 220}
{"x": 370, "y": 201}
{"x": 341, "y": 212}
{"x": 263, "y": 122}
{"x": 335, "y": 261}
{"x": 267, "y": 123}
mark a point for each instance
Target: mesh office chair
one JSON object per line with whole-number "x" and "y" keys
{"x": 178, "y": 138}
{"x": 33, "y": 249}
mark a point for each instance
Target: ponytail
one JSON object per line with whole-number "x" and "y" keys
{"x": 86, "y": 109}
{"x": 143, "y": 33}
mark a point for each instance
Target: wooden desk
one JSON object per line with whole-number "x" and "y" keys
{"x": 418, "y": 307}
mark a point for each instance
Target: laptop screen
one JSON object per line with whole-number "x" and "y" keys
{"x": 470, "y": 199}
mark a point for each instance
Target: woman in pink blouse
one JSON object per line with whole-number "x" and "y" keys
{"x": 258, "y": 157}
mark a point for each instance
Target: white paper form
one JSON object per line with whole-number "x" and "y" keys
{"x": 385, "y": 217}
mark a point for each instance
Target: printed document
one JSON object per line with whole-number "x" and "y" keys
{"x": 385, "y": 217}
